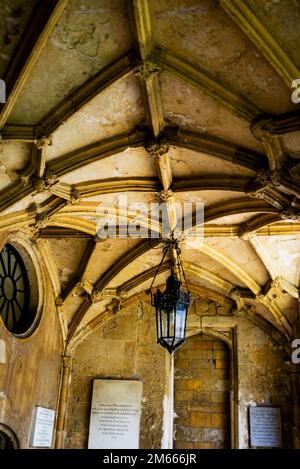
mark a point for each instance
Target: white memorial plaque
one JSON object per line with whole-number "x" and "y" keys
{"x": 115, "y": 414}
{"x": 42, "y": 427}
{"x": 265, "y": 427}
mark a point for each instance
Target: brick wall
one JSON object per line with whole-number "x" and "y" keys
{"x": 202, "y": 400}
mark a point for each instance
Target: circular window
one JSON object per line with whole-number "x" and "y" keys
{"x": 15, "y": 297}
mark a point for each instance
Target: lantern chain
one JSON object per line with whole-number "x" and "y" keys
{"x": 174, "y": 243}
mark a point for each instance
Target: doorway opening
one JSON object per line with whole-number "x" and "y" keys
{"x": 202, "y": 394}
{"x": 8, "y": 439}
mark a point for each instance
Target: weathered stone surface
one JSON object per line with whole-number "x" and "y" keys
{"x": 30, "y": 361}
{"x": 207, "y": 407}
{"x": 215, "y": 145}
{"x": 122, "y": 352}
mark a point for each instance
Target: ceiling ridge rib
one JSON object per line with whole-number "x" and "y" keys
{"x": 247, "y": 279}
{"x": 240, "y": 205}
{"x": 263, "y": 39}
{"x": 147, "y": 70}
{"x": 112, "y": 185}
{"x": 248, "y": 228}
{"x": 96, "y": 151}
{"x": 78, "y": 279}
{"x": 208, "y": 144}
{"x": 106, "y": 278}
{"x": 282, "y": 124}
{"x": 18, "y": 132}
{"x": 46, "y": 16}
{"x": 214, "y": 211}
{"x": 233, "y": 182}
{"x": 76, "y": 159}
{"x": 149, "y": 184}
{"x": 216, "y": 146}
{"x": 107, "y": 76}
{"x": 274, "y": 275}
{"x": 210, "y": 230}
{"x": 203, "y": 80}
{"x": 276, "y": 125}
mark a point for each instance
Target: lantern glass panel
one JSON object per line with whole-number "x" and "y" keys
{"x": 180, "y": 320}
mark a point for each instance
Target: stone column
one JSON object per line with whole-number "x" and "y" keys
{"x": 168, "y": 404}
{"x": 66, "y": 375}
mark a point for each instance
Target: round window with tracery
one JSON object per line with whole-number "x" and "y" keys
{"x": 15, "y": 296}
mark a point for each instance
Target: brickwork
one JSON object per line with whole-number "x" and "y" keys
{"x": 202, "y": 399}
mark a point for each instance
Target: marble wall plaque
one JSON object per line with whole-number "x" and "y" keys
{"x": 115, "y": 414}
{"x": 42, "y": 427}
{"x": 265, "y": 427}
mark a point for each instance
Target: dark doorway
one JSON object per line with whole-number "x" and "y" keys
{"x": 5, "y": 441}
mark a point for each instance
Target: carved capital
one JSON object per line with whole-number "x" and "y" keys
{"x": 114, "y": 306}
{"x": 96, "y": 296}
{"x": 34, "y": 233}
{"x": 46, "y": 182}
{"x": 74, "y": 198}
{"x": 275, "y": 177}
{"x": 291, "y": 214}
{"x": 100, "y": 239}
{"x": 43, "y": 142}
{"x": 122, "y": 294}
{"x": 42, "y": 220}
{"x": 50, "y": 178}
{"x": 261, "y": 181}
{"x": 244, "y": 234}
{"x": 85, "y": 285}
{"x": 164, "y": 195}
{"x": 247, "y": 311}
{"x": 276, "y": 283}
{"x": 236, "y": 293}
{"x": 258, "y": 131}
{"x": 39, "y": 184}
{"x": 146, "y": 69}
{"x": 262, "y": 130}
{"x": 157, "y": 150}
{"x": 67, "y": 361}
{"x": 258, "y": 194}
{"x": 261, "y": 298}
{"x": 59, "y": 301}
{"x": 262, "y": 176}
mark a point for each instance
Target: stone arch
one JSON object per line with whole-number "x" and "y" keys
{"x": 8, "y": 438}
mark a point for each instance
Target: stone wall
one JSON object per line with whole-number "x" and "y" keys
{"x": 263, "y": 379}
{"x": 202, "y": 399}
{"x": 30, "y": 368}
{"x": 125, "y": 347}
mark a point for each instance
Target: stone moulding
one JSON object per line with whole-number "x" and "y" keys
{"x": 264, "y": 40}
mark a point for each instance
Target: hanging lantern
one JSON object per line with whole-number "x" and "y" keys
{"x": 171, "y": 307}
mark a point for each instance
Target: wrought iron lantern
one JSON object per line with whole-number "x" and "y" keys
{"x": 171, "y": 305}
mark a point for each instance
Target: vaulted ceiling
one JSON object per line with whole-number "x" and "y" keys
{"x": 158, "y": 100}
